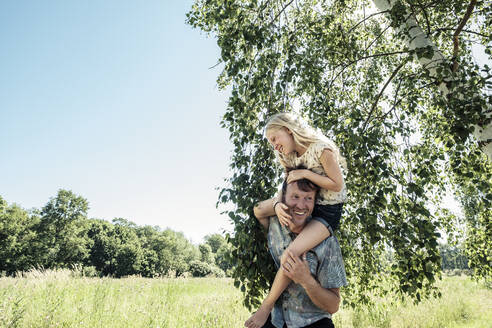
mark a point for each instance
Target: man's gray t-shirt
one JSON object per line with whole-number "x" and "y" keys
{"x": 294, "y": 307}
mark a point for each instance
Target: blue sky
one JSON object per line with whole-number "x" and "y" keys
{"x": 115, "y": 101}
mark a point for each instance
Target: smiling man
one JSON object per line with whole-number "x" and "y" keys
{"x": 318, "y": 275}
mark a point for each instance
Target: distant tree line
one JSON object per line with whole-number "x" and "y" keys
{"x": 60, "y": 235}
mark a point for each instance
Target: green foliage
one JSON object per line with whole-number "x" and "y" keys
{"x": 204, "y": 269}
{"x": 89, "y": 271}
{"x": 223, "y": 261}
{"x": 200, "y": 269}
{"x": 216, "y": 241}
{"x": 354, "y": 77}
{"x": 61, "y": 236}
{"x": 206, "y": 253}
{"x": 221, "y": 250}
{"x": 16, "y": 236}
{"x": 177, "y": 252}
{"x": 105, "y": 246}
{"x": 452, "y": 257}
{"x": 475, "y": 193}
{"x": 62, "y": 231}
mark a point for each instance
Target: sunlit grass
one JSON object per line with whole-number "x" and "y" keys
{"x": 60, "y": 301}
{"x": 57, "y": 299}
{"x": 464, "y": 303}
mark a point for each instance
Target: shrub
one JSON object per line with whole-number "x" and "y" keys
{"x": 90, "y": 272}
{"x": 202, "y": 269}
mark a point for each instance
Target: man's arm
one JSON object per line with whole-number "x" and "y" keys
{"x": 263, "y": 210}
{"x": 297, "y": 269}
{"x": 327, "y": 299}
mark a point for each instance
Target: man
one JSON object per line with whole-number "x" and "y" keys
{"x": 317, "y": 276}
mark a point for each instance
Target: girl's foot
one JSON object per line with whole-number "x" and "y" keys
{"x": 258, "y": 319}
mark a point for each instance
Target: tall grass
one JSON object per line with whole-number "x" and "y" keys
{"x": 464, "y": 303}
{"x": 58, "y": 299}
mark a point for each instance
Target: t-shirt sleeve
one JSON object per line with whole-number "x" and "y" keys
{"x": 319, "y": 147}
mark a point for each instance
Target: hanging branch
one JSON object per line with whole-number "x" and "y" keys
{"x": 362, "y": 21}
{"x": 426, "y": 17}
{"x": 463, "y": 30}
{"x": 377, "y": 38}
{"x": 362, "y": 58}
{"x": 374, "y": 105}
{"x": 467, "y": 16}
{"x": 280, "y": 12}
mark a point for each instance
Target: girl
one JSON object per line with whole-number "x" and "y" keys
{"x": 295, "y": 145}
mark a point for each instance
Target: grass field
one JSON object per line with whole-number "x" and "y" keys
{"x": 55, "y": 299}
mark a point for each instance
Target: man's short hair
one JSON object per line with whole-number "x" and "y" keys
{"x": 302, "y": 184}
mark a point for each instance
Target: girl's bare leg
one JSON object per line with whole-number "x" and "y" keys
{"x": 258, "y": 319}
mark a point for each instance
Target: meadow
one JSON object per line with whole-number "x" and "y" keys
{"x": 58, "y": 299}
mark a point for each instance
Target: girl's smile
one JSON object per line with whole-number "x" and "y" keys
{"x": 281, "y": 140}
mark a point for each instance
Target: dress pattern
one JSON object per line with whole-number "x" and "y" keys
{"x": 310, "y": 160}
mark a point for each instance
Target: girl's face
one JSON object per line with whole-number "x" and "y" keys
{"x": 281, "y": 140}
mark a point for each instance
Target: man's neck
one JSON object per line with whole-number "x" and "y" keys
{"x": 297, "y": 230}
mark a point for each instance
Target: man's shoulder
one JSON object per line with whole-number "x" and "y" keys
{"x": 273, "y": 219}
{"x": 274, "y": 226}
{"x": 327, "y": 247}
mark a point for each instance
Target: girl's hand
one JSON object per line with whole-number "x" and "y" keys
{"x": 285, "y": 256}
{"x": 281, "y": 212}
{"x": 296, "y": 268}
{"x": 295, "y": 175}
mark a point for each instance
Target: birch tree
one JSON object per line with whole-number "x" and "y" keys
{"x": 396, "y": 85}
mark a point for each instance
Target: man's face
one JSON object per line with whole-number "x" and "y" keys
{"x": 301, "y": 204}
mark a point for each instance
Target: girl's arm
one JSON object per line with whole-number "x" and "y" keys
{"x": 263, "y": 210}
{"x": 334, "y": 179}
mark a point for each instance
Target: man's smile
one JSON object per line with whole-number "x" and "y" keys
{"x": 300, "y": 213}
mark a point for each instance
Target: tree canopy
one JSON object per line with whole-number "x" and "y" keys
{"x": 410, "y": 112}
{"x": 60, "y": 235}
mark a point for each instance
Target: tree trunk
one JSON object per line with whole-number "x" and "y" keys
{"x": 418, "y": 39}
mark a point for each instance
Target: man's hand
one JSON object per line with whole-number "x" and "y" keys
{"x": 287, "y": 254}
{"x": 296, "y": 268}
{"x": 281, "y": 212}
{"x": 295, "y": 175}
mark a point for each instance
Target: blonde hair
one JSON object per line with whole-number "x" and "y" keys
{"x": 302, "y": 133}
